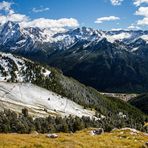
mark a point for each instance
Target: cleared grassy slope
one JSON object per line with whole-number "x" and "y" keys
{"x": 115, "y": 139}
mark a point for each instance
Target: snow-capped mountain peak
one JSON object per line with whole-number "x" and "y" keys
{"x": 17, "y": 39}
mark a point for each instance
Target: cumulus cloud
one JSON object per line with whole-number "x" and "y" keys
{"x": 41, "y": 9}
{"x": 143, "y": 11}
{"x": 58, "y": 25}
{"x": 2, "y": 19}
{"x": 15, "y": 17}
{"x": 143, "y": 22}
{"x": 5, "y": 6}
{"x": 116, "y": 2}
{"x": 10, "y": 14}
{"x": 139, "y": 2}
{"x": 50, "y": 23}
{"x": 104, "y": 19}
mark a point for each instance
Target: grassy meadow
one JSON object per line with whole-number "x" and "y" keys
{"x": 82, "y": 139}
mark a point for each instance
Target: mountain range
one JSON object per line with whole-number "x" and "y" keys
{"x": 110, "y": 61}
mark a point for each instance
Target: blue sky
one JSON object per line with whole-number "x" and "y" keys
{"x": 99, "y": 14}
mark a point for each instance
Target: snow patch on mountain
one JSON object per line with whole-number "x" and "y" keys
{"x": 144, "y": 37}
{"x": 135, "y": 49}
{"x": 39, "y": 101}
{"x": 7, "y": 62}
{"x": 22, "y": 93}
{"x": 120, "y": 37}
{"x": 16, "y": 69}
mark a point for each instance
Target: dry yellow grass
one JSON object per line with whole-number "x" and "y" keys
{"x": 146, "y": 124}
{"x": 82, "y": 139}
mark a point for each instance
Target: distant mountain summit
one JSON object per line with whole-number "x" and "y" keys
{"x": 114, "y": 61}
{"x": 16, "y": 38}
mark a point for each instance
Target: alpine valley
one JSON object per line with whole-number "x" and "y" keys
{"x": 113, "y": 61}
{"x": 44, "y": 91}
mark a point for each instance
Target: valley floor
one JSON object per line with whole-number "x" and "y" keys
{"x": 124, "y": 138}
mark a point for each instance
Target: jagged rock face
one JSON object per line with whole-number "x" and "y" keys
{"x": 107, "y": 60}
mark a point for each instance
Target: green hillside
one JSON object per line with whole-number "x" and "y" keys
{"x": 140, "y": 102}
{"x": 111, "y": 112}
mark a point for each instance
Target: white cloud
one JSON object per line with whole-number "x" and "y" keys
{"x": 133, "y": 27}
{"x": 13, "y": 17}
{"x": 50, "y": 23}
{"x": 116, "y": 2}
{"x": 6, "y": 6}
{"x": 139, "y": 2}
{"x": 143, "y": 22}
{"x": 3, "y": 19}
{"x": 143, "y": 11}
{"x": 116, "y": 29}
{"x": 17, "y": 17}
{"x": 41, "y": 9}
{"x": 121, "y": 36}
{"x": 58, "y": 25}
{"x": 109, "y": 18}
